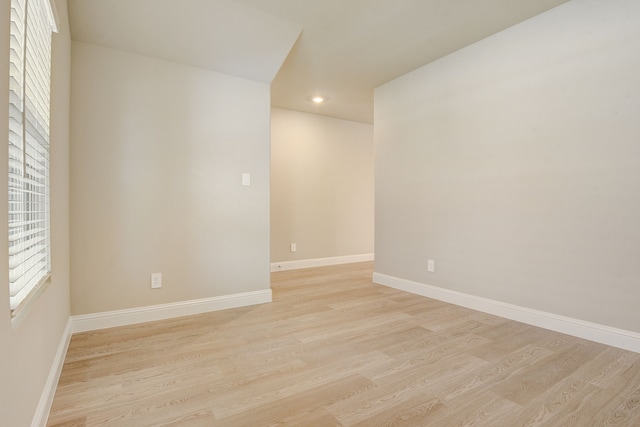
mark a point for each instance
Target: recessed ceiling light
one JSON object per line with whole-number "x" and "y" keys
{"x": 318, "y": 99}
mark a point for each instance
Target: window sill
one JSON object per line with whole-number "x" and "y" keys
{"x": 20, "y": 312}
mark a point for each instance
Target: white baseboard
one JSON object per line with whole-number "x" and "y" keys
{"x": 110, "y": 319}
{"x": 319, "y": 262}
{"x": 615, "y": 337}
{"x": 49, "y": 391}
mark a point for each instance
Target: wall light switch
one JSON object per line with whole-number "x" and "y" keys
{"x": 431, "y": 266}
{"x": 246, "y": 179}
{"x": 293, "y": 247}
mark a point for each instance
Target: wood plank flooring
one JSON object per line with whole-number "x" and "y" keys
{"x": 333, "y": 349}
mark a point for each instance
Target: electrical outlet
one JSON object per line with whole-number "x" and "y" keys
{"x": 156, "y": 280}
{"x": 431, "y": 266}
{"x": 293, "y": 247}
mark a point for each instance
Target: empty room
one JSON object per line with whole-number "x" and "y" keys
{"x": 320, "y": 213}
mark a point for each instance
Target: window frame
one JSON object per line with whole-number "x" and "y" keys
{"x": 33, "y": 23}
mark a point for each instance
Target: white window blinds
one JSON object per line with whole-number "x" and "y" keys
{"x": 29, "y": 88}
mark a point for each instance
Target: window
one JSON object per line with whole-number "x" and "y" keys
{"x": 29, "y": 87}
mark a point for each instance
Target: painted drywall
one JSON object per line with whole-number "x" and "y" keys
{"x": 321, "y": 186}
{"x": 515, "y": 164}
{"x": 28, "y": 349}
{"x": 158, "y": 150}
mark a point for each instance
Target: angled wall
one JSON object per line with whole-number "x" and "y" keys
{"x": 514, "y": 164}
{"x": 158, "y": 150}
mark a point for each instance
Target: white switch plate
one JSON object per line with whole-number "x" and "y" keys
{"x": 431, "y": 266}
{"x": 246, "y": 179}
{"x": 156, "y": 280}
{"x": 293, "y": 247}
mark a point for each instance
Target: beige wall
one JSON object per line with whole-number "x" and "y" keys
{"x": 515, "y": 164}
{"x": 27, "y": 351}
{"x": 157, "y": 152}
{"x": 321, "y": 186}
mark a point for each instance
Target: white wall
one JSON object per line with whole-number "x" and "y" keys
{"x": 321, "y": 186}
{"x": 157, "y": 153}
{"x": 28, "y": 350}
{"x": 515, "y": 164}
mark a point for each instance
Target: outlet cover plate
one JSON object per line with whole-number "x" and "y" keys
{"x": 156, "y": 280}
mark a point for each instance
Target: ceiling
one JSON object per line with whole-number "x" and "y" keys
{"x": 338, "y": 49}
{"x": 219, "y": 35}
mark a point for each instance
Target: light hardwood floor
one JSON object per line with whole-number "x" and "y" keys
{"x": 333, "y": 349}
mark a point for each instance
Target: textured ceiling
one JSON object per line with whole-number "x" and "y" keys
{"x": 346, "y": 49}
